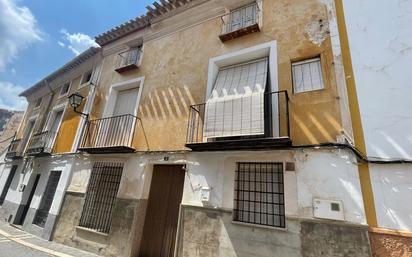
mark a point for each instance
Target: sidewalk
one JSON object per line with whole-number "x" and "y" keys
{"x": 39, "y": 244}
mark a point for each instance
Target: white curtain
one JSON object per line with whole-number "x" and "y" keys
{"x": 236, "y": 104}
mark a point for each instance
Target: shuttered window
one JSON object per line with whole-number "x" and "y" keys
{"x": 259, "y": 194}
{"x": 42, "y": 212}
{"x": 307, "y": 75}
{"x": 243, "y": 17}
{"x": 101, "y": 196}
{"x": 236, "y": 104}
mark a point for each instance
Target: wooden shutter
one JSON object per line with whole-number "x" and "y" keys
{"x": 236, "y": 105}
{"x": 307, "y": 75}
{"x": 235, "y": 20}
{"x": 250, "y": 16}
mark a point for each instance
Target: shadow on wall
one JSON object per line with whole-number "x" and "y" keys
{"x": 167, "y": 103}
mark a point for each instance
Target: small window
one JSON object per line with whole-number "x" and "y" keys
{"x": 307, "y": 75}
{"x": 87, "y": 77}
{"x": 259, "y": 194}
{"x": 65, "y": 89}
{"x": 38, "y": 103}
{"x": 101, "y": 196}
{"x": 242, "y": 17}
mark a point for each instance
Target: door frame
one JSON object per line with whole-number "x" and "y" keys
{"x": 183, "y": 165}
{"x": 115, "y": 88}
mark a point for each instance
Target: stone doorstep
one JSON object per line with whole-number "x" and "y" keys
{"x": 52, "y": 248}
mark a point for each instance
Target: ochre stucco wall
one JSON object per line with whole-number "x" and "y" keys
{"x": 175, "y": 68}
{"x": 70, "y": 122}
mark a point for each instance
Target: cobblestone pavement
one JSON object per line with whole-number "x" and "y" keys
{"x": 17, "y": 243}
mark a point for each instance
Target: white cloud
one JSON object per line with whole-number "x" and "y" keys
{"x": 18, "y": 29}
{"x": 61, "y": 44}
{"x": 9, "y": 98}
{"x": 77, "y": 42}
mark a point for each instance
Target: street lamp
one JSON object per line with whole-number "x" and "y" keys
{"x": 75, "y": 101}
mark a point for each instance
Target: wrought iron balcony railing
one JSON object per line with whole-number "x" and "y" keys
{"x": 109, "y": 135}
{"x": 41, "y": 143}
{"x": 207, "y": 132}
{"x": 15, "y": 150}
{"x": 240, "y": 22}
{"x": 129, "y": 59}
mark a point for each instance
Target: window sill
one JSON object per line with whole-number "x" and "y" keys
{"x": 92, "y": 235}
{"x": 62, "y": 96}
{"x": 309, "y": 92}
{"x": 259, "y": 226}
{"x": 84, "y": 85}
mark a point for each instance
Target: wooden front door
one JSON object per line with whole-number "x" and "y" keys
{"x": 162, "y": 214}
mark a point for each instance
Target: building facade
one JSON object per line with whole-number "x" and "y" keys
{"x": 213, "y": 128}
{"x": 218, "y": 129}
{"x": 40, "y": 157}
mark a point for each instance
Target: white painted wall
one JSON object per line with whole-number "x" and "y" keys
{"x": 41, "y": 166}
{"x": 319, "y": 174}
{"x": 381, "y": 46}
{"x": 380, "y": 40}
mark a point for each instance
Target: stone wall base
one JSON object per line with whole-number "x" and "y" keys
{"x": 205, "y": 232}
{"x": 117, "y": 243}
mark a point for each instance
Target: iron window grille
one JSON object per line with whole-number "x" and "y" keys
{"x": 101, "y": 196}
{"x": 259, "y": 194}
{"x": 42, "y": 213}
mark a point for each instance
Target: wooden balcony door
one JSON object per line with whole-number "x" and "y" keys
{"x": 160, "y": 228}
{"x": 117, "y": 129}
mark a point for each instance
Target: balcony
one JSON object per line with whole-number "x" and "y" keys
{"x": 15, "y": 150}
{"x": 109, "y": 135}
{"x": 41, "y": 144}
{"x": 129, "y": 60}
{"x": 240, "y": 22}
{"x": 206, "y": 134}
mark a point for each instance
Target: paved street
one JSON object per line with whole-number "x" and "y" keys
{"x": 10, "y": 248}
{"x": 17, "y": 243}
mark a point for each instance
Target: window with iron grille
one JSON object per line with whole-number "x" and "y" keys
{"x": 307, "y": 75}
{"x": 42, "y": 212}
{"x": 259, "y": 194}
{"x": 101, "y": 196}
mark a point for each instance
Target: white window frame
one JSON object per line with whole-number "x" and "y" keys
{"x": 115, "y": 88}
{"x": 34, "y": 119}
{"x": 68, "y": 90}
{"x": 268, "y": 49}
{"x": 83, "y": 84}
{"x": 36, "y": 107}
{"x": 61, "y": 107}
{"x": 308, "y": 61}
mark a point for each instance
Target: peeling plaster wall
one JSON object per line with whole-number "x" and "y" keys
{"x": 320, "y": 174}
{"x": 176, "y": 54}
{"x": 380, "y": 41}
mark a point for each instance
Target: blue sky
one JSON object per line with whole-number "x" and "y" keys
{"x": 39, "y": 36}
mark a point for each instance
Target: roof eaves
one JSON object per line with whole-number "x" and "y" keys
{"x": 154, "y": 10}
